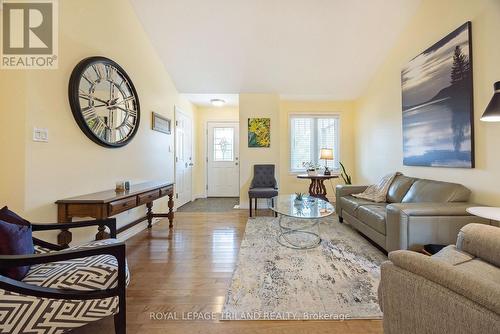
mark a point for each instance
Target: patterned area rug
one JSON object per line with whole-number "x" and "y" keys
{"x": 337, "y": 280}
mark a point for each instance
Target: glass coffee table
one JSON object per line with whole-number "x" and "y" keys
{"x": 299, "y": 220}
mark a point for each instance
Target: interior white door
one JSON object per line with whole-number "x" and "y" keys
{"x": 183, "y": 158}
{"x": 223, "y": 170}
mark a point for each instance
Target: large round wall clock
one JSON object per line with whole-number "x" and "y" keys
{"x": 104, "y": 102}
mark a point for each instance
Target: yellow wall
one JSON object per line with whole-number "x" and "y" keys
{"x": 256, "y": 106}
{"x": 70, "y": 164}
{"x": 288, "y": 181}
{"x": 379, "y": 117}
{"x": 12, "y": 148}
{"x": 202, "y": 116}
{"x": 269, "y": 105}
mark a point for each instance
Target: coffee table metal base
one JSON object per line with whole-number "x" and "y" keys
{"x": 305, "y": 230}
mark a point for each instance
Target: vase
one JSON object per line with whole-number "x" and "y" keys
{"x": 312, "y": 172}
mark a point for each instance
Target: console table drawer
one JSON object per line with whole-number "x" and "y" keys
{"x": 148, "y": 197}
{"x": 165, "y": 191}
{"x": 122, "y": 205}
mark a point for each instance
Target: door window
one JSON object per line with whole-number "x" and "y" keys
{"x": 223, "y": 144}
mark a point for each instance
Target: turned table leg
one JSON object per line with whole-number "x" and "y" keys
{"x": 101, "y": 233}
{"x": 149, "y": 214}
{"x": 171, "y": 210}
{"x": 318, "y": 189}
{"x": 64, "y": 237}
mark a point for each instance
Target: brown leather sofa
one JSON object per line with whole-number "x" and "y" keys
{"x": 417, "y": 212}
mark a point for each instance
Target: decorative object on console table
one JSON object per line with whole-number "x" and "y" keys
{"x": 438, "y": 102}
{"x": 492, "y": 112}
{"x": 161, "y": 124}
{"x": 259, "y": 132}
{"x": 120, "y": 187}
{"x": 326, "y": 154}
{"x": 317, "y": 187}
{"x": 104, "y": 204}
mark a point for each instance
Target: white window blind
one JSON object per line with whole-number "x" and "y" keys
{"x": 309, "y": 134}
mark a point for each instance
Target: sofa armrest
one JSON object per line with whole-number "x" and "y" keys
{"x": 412, "y": 224}
{"x": 482, "y": 241}
{"x": 472, "y": 286}
{"x": 345, "y": 190}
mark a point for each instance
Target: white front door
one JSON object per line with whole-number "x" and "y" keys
{"x": 183, "y": 157}
{"x": 223, "y": 170}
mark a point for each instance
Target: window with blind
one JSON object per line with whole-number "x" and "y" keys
{"x": 309, "y": 134}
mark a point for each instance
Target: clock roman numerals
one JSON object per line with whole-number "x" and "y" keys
{"x": 89, "y": 114}
{"x": 99, "y": 128}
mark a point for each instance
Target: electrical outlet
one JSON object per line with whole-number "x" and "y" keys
{"x": 41, "y": 135}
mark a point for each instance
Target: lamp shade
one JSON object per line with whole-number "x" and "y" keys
{"x": 492, "y": 112}
{"x": 326, "y": 154}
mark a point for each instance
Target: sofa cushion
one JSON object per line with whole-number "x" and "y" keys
{"x": 351, "y": 204}
{"x": 399, "y": 188}
{"x": 482, "y": 241}
{"x": 88, "y": 273}
{"x": 373, "y": 216}
{"x": 468, "y": 263}
{"x": 436, "y": 191}
{"x": 482, "y": 269}
{"x": 451, "y": 255}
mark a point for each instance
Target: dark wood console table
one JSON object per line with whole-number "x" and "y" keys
{"x": 108, "y": 203}
{"x": 317, "y": 187}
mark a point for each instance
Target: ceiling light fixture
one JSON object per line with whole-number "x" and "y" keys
{"x": 217, "y": 102}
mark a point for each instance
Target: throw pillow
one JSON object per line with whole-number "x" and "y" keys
{"x": 15, "y": 239}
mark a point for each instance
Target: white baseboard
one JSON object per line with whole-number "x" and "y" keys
{"x": 127, "y": 234}
{"x": 199, "y": 196}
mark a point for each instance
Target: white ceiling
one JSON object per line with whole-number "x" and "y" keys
{"x": 316, "y": 48}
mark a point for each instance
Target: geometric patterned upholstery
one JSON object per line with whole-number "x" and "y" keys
{"x": 28, "y": 314}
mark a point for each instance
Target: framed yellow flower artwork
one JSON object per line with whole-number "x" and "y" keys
{"x": 259, "y": 132}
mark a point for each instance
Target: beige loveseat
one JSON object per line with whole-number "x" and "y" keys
{"x": 417, "y": 212}
{"x": 455, "y": 291}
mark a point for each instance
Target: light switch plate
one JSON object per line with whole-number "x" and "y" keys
{"x": 41, "y": 135}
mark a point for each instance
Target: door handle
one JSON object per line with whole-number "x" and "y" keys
{"x": 236, "y": 164}
{"x": 191, "y": 164}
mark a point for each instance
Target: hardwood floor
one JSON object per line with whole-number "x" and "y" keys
{"x": 189, "y": 270}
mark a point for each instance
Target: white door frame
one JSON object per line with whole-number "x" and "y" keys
{"x": 177, "y": 111}
{"x": 207, "y": 148}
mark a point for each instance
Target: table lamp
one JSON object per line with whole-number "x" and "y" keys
{"x": 492, "y": 112}
{"x": 326, "y": 154}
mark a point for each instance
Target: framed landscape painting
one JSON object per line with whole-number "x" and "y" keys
{"x": 438, "y": 128}
{"x": 259, "y": 132}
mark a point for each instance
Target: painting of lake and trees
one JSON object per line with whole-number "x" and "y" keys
{"x": 438, "y": 112}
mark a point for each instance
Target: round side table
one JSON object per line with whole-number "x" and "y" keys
{"x": 317, "y": 187}
{"x": 485, "y": 212}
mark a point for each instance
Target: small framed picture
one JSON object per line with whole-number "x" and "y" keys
{"x": 161, "y": 124}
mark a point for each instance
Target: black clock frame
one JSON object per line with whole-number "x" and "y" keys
{"x": 74, "y": 99}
